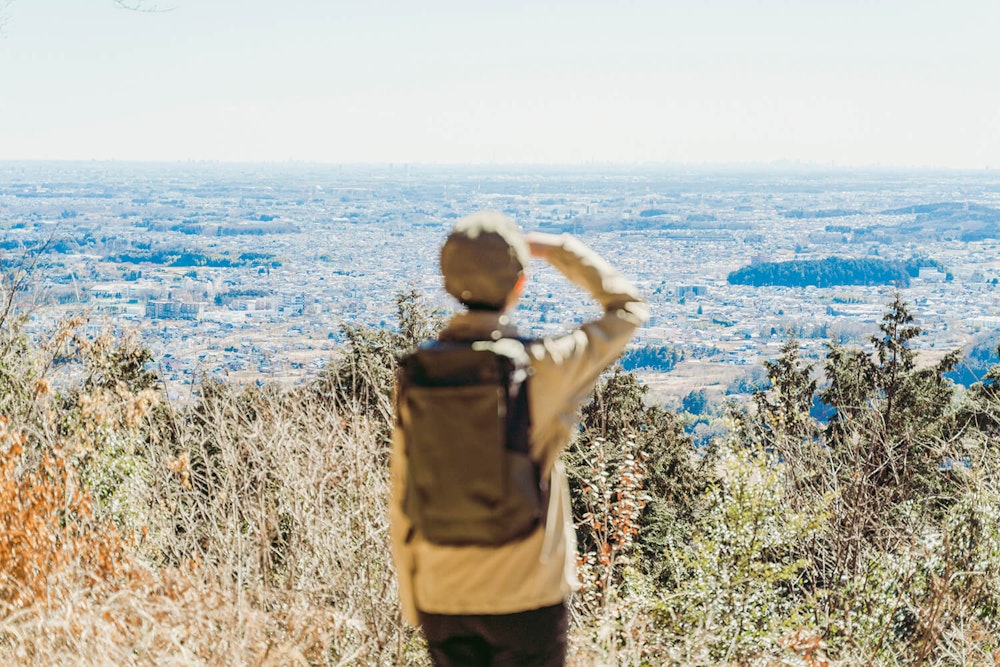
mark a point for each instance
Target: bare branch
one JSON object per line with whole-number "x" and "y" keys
{"x": 138, "y": 6}
{"x": 14, "y": 284}
{"x": 4, "y": 4}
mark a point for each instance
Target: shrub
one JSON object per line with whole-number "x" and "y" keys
{"x": 737, "y": 568}
{"x": 49, "y": 540}
{"x": 248, "y": 525}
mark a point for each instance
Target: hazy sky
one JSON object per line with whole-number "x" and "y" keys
{"x": 851, "y": 82}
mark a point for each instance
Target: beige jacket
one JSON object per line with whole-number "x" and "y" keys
{"x": 540, "y": 569}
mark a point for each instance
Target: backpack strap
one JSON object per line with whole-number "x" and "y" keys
{"x": 513, "y": 364}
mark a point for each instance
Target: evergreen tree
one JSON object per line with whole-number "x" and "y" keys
{"x": 362, "y": 380}
{"x": 783, "y": 408}
{"x": 780, "y": 421}
{"x": 980, "y": 409}
{"x": 891, "y": 431}
{"x": 618, "y": 422}
{"x": 908, "y": 402}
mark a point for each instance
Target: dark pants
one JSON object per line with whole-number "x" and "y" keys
{"x": 535, "y": 638}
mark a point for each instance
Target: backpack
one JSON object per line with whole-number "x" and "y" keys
{"x": 463, "y": 409}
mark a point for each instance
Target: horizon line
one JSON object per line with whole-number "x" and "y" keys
{"x": 784, "y": 164}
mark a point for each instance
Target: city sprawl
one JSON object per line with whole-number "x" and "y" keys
{"x": 250, "y": 271}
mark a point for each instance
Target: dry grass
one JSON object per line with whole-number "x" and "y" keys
{"x": 248, "y": 527}
{"x": 265, "y": 543}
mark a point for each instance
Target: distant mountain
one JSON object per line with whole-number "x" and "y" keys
{"x": 945, "y": 209}
{"x": 965, "y": 221}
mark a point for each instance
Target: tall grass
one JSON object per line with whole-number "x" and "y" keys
{"x": 248, "y": 525}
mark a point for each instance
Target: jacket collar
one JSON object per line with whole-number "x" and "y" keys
{"x": 478, "y": 325}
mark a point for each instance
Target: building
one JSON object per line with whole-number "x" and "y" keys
{"x": 166, "y": 309}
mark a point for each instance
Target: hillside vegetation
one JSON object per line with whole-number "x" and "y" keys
{"x": 830, "y": 272}
{"x": 248, "y": 524}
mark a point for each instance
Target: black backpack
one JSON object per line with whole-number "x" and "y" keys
{"x": 463, "y": 408}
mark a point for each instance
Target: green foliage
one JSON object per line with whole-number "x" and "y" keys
{"x": 874, "y": 540}
{"x": 695, "y": 402}
{"x": 829, "y": 272}
{"x": 116, "y": 359}
{"x": 104, "y": 422}
{"x": 981, "y": 408}
{"x": 895, "y": 562}
{"x": 783, "y": 408}
{"x": 755, "y": 379}
{"x": 363, "y": 378}
{"x": 617, "y": 409}
{"x": 180, "y": 257}
{"x": 977, "y": 360}
{"x": 19, "y": 371}
{"x": 22, "y": 365}
{"x": 799, "y": 214}
{"x": 738, "y": 561}
{"x": 626, "y": 432}
{"x": 654, "y": 357}
{"x": 893, "y": 420}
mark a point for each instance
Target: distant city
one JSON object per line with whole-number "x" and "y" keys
{"x": 250, "y": 271}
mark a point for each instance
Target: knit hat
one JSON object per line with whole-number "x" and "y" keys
{"x": 482, "y": 259}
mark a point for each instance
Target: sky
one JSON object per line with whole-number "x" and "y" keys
{"x": 910, "y": 83}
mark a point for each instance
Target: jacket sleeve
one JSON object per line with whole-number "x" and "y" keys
{"x": 567, "y": 367}
{"x": 399, "y": 527}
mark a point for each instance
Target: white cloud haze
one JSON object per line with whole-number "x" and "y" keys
{"x": 900, "y": 83}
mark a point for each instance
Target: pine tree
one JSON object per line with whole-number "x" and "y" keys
{"x": 783, "y": 408}
{"x": 891, "y": 431}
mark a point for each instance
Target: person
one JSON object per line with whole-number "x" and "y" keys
{"x": 506, "y": 604}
